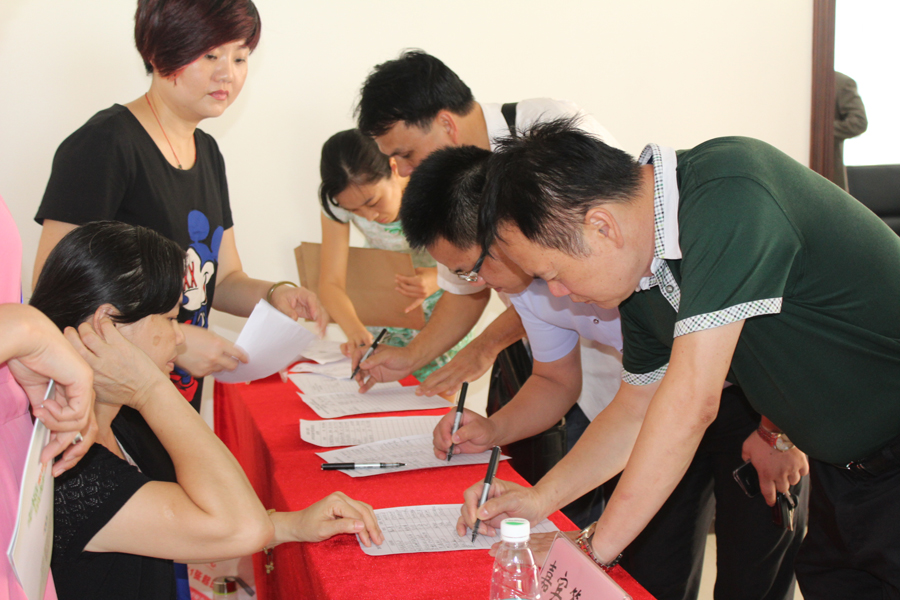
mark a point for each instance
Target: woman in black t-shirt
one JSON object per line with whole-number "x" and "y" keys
{"x": 116, "y": 530}
{"x": 146, "y": 163}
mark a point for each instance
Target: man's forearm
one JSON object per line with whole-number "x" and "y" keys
{"x": 544, "y": 399}
{"x": 452, "y": 318}
{"x": 684, "y": 405}
{"x": 600, "y": 454}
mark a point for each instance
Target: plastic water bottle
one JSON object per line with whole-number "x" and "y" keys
{"x": 515, "y": 574}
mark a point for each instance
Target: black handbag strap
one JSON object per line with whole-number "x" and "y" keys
{"x": 509, "y": 113}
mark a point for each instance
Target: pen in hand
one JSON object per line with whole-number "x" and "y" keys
{"x": 459, "y": 412}
{"x": 492, "y": 470}
{"x": 368, "y": 353}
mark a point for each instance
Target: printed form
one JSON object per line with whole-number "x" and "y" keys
{"x": 352, "y": 432}
{"x": 340, "y": 369}
{"x": 417, "y": 451}
{"x": 272, "y": 340}
{"x": 332, "y": 406}
{"x": 310, "y": 384}
{"x": 412, "y": 529}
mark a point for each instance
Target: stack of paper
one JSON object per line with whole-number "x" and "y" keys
{"x": 417, "y": 451}
{"x": 272, "y": 340}
{"x": 412, "y": 529}
{"x": 352, "y": 432}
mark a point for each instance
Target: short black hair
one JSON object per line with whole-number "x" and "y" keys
{"x": 545, "y": 181}
{"x": 413, "y": 88}
{"x": 443, "y": 197}
{"x": 349, "y": 158}
{"x": 137, "y": 270}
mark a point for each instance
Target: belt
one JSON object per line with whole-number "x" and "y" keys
{"x": 877, "y": 463}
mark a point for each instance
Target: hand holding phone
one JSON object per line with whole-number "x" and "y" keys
{"x": 747, "y": 477}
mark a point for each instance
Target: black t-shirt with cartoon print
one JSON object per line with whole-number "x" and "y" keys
{"x": 110, "y": 169}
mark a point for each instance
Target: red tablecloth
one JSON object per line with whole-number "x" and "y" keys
{"x": 260, "y": 423}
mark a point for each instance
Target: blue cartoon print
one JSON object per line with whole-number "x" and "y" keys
{"x": 200, "y": 270}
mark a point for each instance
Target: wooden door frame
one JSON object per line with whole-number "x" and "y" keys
{"x": 821, "y": 147}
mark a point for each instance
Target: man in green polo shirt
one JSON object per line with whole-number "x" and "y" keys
{"x": 727, "y": 261}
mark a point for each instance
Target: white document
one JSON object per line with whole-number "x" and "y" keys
{"x": 311, "y": 384}
{"x": 273, "y": 341}
{"x": 32, "y": 540}
{"x": 352, "y": 432}
{"x": 417, "y": 451}
{"x": 341, "y": 369}
{"x": 412, "y": 529}
{"x": 323, "y": 352}
{"x": 332, "y": 406}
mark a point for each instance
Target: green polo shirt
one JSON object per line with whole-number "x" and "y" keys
{"x": 815, "y": 275}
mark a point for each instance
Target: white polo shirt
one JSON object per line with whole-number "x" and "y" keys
{"x": 553, "y": 326}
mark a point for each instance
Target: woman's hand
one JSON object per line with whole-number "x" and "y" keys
{"x": 35, "y": 352}
{"x": 420, "y": 286}
{"x": 205, "y": 353}
{"x": 299, "y": 302}
{"x": 123, "y": 374}
{"x": 356, "y": 345}
{"x": 333, "y": 515}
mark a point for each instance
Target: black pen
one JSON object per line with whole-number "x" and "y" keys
{"x": 368, "y": 353}
{"x": 492, "y": 470}
{"x": 459, "y": 412}
{"x": 337, "y": 466}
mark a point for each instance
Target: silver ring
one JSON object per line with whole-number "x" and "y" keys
{"x": 78, "y": 438}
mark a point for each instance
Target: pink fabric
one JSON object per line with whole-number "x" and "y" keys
{"x": 15, "y": 420}
{"x": 260, "y": 424}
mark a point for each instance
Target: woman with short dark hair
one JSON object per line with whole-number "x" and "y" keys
{"x": 116, "y": 529}
{"x": 147, "y": 163}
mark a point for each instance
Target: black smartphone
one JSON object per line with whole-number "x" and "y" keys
{"x": 747, "y": 478}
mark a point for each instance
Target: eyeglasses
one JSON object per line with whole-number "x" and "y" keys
{"x": 472, "y": 276}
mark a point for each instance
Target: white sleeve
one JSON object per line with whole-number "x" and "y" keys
{"x": 529, "y": 112}
{"x": 449, "y": 282}
{"x": 548, "y": 342}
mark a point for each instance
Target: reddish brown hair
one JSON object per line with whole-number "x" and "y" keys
{"x": 171, "y": 34}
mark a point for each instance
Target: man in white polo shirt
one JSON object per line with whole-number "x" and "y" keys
{"x": 412, "y": 106}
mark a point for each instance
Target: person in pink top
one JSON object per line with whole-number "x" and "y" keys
{"x": 32, "y": 350}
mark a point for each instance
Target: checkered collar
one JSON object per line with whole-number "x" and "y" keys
{"x": 665, "y": 210}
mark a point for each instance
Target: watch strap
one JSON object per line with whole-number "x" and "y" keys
{"x": 584, "y": 540}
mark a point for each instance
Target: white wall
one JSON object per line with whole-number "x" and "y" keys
{"x": 864, "y": 42}
{"x": 672, "y": 72}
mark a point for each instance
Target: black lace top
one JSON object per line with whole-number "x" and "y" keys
{"x": 86, "y": 498}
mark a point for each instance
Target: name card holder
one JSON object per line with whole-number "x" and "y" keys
{"x": 568, "y": 574}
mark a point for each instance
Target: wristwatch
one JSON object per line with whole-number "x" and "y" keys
{"x": 584, "y": 542}
{"x": 779, "y": 440}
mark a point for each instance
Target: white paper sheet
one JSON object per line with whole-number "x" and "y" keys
{"x": 352, "y": 432}
{"x": 332, "y": 406}
{"x": 412, "y": 529}
{"x": 272, "y": 340}
{"x": 311, "y": 384}
{"x": 417, "y": 451}
{"x": 324, "y": 351}
{"x": 32, "y": 540}
{"x": 341, "y": 369}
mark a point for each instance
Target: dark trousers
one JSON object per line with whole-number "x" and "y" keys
{"x": 755, "y": 557}
{"x": 852, "y": 549}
